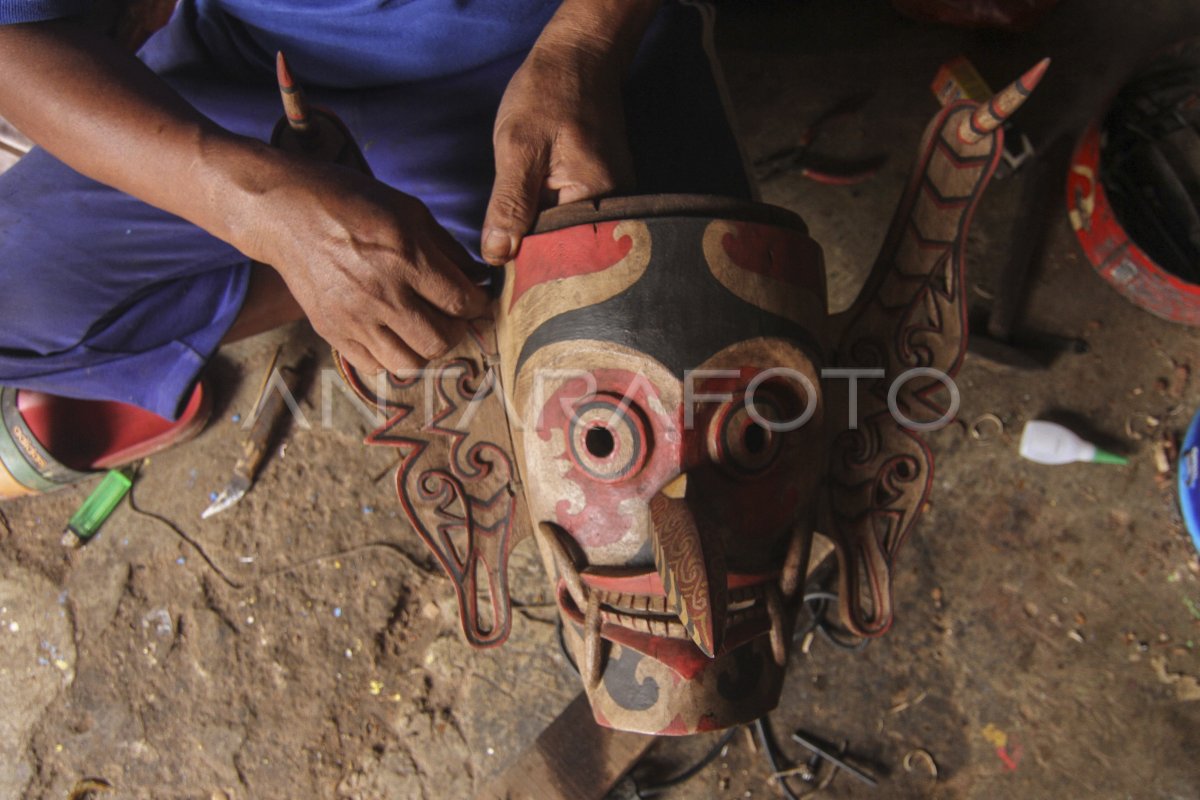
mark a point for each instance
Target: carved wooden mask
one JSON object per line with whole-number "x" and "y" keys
{"x": 659, "y": 404}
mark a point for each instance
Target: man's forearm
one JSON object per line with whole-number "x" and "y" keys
{"x": 102, "y": 112}
{"x": 608, "y": 29}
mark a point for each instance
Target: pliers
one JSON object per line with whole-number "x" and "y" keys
{"x": 822, "y": 169}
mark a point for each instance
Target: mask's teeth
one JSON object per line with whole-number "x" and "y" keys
{"x": 779, "y": 645}
{"x": 591, "y": 642}
{"x": 795, "y": 563}
{"x": 566, "y": 565}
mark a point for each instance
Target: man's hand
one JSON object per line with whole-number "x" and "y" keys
{"x": 377, "y": 276}
{"x": 560, "y": 130}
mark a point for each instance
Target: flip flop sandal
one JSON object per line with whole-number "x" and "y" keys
{"x": 51, "y": 442}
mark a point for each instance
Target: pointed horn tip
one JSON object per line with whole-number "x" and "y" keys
{"x": 1035, "y": 74}
{"x": 706, "y": 632}
{"x": 706, "y": 642}
{"x": 283, "y": 72}
{"x": 988, "y": 116}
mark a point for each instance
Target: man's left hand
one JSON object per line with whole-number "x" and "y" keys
{"x": 560, "y": 130}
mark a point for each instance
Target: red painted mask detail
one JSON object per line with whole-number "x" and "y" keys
{"x": 649, "y": 583}
{"x": 780, "y": 254}
{"x": 581, "y": 250}
{"x": 620, "y": 445}
{"x": 686, "y": 661}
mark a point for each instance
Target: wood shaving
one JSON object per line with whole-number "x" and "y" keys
{"x": 979, "y": 427}
{"x": 1140, "y": 425}
{"x": 1179, "y": 380}
{"x": 907, "y": 704}
{"x": 87, "y": 789}
{"x": 1187, "y": 688}
{"x": 912, "y": 757}
{"x": 1164, "y": 454}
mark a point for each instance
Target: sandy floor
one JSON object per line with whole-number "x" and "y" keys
{"x": 303, "y": 644}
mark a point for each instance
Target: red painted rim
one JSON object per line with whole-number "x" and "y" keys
{"x": 1116, "y": 257}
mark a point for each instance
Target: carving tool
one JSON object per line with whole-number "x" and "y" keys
{"x": 269, "y": 408}
{"x": 798, "y": 738}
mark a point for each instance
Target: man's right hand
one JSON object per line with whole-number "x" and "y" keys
{"x": 377, "y": 276}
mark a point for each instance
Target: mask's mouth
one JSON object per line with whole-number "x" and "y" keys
{"x": 632, "y": 609}
{"x": 673, "y": 612}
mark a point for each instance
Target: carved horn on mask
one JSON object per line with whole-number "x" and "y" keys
{"x": 692, "y": 568}
{"x": 992, "y": 114}
{"x": 909, "y": 324}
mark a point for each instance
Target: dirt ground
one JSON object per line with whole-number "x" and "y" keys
{"x": 303, "y": 645}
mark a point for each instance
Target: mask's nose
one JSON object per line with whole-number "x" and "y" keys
{"x": 691, "y": 566}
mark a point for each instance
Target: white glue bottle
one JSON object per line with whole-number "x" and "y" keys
{"x": 1049, "y": 443}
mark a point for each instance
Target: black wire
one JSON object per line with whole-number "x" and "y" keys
{"x": 178, "y": 531}
{"x": 818, "y": 607}
{"x": 770, "y": 750}
{"x": 687, "y": 774}
{"x": 562, "y": 644}
{"x": 815, "y": 614}
{"x": 187, "y": 539}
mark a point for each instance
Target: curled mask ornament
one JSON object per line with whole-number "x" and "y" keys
{"x": 664, "y": 404}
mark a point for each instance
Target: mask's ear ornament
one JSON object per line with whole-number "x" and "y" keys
{"x": 909, "y": 325}
{"x": 457, "y": 480}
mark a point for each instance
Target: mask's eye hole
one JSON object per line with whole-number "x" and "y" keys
{"x": 600, "y": 442}
{"x": 608, "y": 439}
{"x": 742, "y": 443}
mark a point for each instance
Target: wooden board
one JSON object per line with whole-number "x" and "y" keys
{"x": 574, "y": 758}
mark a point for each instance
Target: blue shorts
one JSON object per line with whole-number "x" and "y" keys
{"x": 105, "y": 297}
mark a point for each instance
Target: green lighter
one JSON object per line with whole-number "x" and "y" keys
{"x": 99, "y": 505}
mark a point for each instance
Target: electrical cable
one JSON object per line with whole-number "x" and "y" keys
{"x": 687, "y": 774}
{"x": 818, "y": 607}
{"x": 770, "y": 750}
{"x": 562, "y": 645}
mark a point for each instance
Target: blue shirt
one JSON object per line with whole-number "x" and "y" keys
{"x": 347, "y": 43}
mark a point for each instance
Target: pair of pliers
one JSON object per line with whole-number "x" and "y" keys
{"x": 823, "y": 169}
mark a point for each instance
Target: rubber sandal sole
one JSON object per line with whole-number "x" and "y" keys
{"x": 51, "y": 442}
